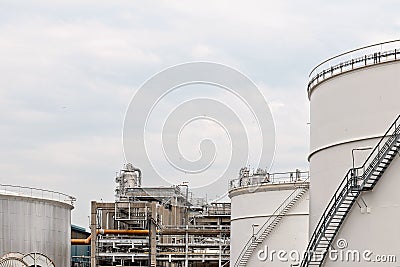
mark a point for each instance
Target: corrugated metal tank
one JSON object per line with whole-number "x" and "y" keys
{"x": 350, "y": 110}
{"x": 252, "y": 206}
{"x": 36, "y": 224}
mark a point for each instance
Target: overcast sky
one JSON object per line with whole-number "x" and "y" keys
{"x": 70, "y": 68}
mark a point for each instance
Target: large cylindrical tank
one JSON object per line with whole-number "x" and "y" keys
{"x": 351, "y": 108}
{"x": 255, "y": 204}
{"x": 33, "y": 220}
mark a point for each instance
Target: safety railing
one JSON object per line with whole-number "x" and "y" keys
{"x": 36, "y": 193}
{"x": 354, "y": 59}
{"x": 378, "y": 152}
{"x": 270, "y": 178}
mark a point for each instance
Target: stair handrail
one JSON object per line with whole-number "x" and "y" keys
{"x": 378, "y": 146}
{"x": 323, "y": 218}
{"x": 339, "y": 193}
{"x": 271, "y": 217}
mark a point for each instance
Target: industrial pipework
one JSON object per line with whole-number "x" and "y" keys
{"x": 110, "y": 232}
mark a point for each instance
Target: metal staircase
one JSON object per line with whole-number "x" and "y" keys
{"x": 271, "y": 223}
{"x": 354, "y": 183}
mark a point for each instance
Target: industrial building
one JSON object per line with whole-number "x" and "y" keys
{"x": 157, "y": 226}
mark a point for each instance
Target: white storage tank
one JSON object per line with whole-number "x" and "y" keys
{"x": 268, "y": 212}
{"x": 36, "y": 221}
{"x": 354, "y": 99}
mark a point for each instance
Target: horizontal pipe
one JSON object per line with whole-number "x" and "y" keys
{"x": 146, "y": 232}
{"x": 108, "y": 231}
{"x": 81, "y": 241}
{"x": 209, "y": 232}
{"x": 121, "y": 232}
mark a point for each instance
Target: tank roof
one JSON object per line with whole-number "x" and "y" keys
{"x": 352, "y": 60}
{"x": 36, "y": 193}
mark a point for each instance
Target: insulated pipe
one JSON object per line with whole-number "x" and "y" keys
{"x": 108, "y": 231}
{"x": 81, "y": 241}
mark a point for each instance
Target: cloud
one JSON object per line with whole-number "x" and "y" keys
{"x": 69, "y": 69}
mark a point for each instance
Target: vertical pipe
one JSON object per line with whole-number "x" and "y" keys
{"x": 187, "y": 206}
{"x": 149, "y": 243}
{"x": 220, "y": 247}
{"x": 186, "y": 246}
{"x": 108, "y": 220}
{"x": 93, "y": 227}
{"x": 153, "y": 232}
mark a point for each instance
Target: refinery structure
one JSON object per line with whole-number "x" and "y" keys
{"x": 347, "y": 201}
{"x": 157, "y": 226}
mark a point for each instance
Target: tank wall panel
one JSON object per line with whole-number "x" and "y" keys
{"x": 356, "y": 105}
{"x": 34, "y": 225}
{"x": 327, "y": 169}
{"x": 348, "y": 111}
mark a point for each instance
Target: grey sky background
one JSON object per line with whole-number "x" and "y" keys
{"x": 70, "y": 68}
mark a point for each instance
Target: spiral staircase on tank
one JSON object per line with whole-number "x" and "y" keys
{"x": 270, "y": 224}
{"x": 354, "y": 183}
{"x": 34, "y": 259}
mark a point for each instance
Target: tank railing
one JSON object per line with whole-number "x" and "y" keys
{"x": 354, "y": 59}
{"x": 362, "y": 174}
{"x": 277, "y": 212}
{"x": 272, "y": 178}
{"x": 352, "y": 181}
{"x": 36, "y": 193}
